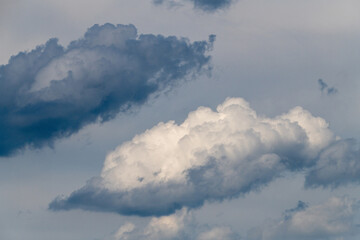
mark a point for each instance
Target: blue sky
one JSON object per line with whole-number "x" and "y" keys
{"x": 139, "y": 123}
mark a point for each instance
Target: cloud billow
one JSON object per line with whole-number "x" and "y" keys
{"x": 333, "y": 219}
{"x": 181, "y": 225}
{"x": 338, "y": 165}
{"x": 52, "y": 91}
{"x": 211, "y": 156}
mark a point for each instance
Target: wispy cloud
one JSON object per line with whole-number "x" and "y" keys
{"x": 325, "y": 88}
{"x": 52, "y": 91}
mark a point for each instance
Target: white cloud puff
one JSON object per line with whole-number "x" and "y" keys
{"x": 240, "y": 144}
{"x": 212, "y": 155}
{"x": 216, "y": 233}
{"x": 181, "y": 225}
{"x": 333, "y": 219}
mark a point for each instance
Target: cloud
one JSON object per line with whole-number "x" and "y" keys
{"x": 204, "y": 5}
{"x": 331, "y": 220}
{"x": 211, "y": 156}
{"x": 338, "y": 165}
{"x": 52, "y": 91}
{"x": 325, "y": 88}
{"x": 224, "y": 233}
{"x": 181, "y": 225}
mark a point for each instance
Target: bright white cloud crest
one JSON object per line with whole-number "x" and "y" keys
{"x": 211, "y": 156}
{"x": 241, "y": 144}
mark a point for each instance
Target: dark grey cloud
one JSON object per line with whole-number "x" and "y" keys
{"x": 211, "y": 156}
{"x": 330, "y": 220}
{"x": 204, "y": 5}
{"x": 153, "y": 200}
{"x": 338, "y": 165}
{"x": 52, "y": 91}
{"x": 301, "y": 206}
{"x": 325, "y": 88}
{"x": 206, "y": 183}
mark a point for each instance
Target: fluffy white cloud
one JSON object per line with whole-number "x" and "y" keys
{"x": 333, "y": 219}
{"x": 216, "y": 233}
{"x": 239, "y": 143}
{"x": 124, "y": 231}
{"x": 166, "y": 227}
{"x": 181, "y": 225}
{"x": 212, "y": 155}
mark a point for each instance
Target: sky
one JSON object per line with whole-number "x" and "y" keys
{"x": 179, "y": 119}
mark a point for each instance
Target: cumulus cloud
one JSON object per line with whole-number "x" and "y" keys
{"x": 331, "y": 220}
{"x": 204, "y": 5}
{"x": 224, "y": 233}
{"x": 325, "y": 88}
{"x": 211, "y": 156}
{"x": 181, "y": 225}
{"x": 52, "y": 91}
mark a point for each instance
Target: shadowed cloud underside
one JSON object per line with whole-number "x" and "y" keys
{"x": 52, "y": 91}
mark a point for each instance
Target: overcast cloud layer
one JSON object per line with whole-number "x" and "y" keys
{"x": 211, "y": 156}
{"x": 204, "y": 5}
{"x": 52, "y": 91}
{"x": 331, "y": 220}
